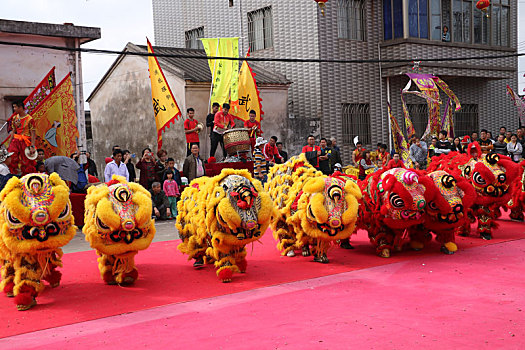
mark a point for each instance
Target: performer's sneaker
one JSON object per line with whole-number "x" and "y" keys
{"x": 486, "y": 236}
{"x": 290, "y": 253}
{"x": 199, "y": 263}
{"x": 345, "y": 244}
{"x": 321, "y": 258}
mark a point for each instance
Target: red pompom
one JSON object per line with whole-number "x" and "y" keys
{"x": 242, "y": 265}
{"x": 225, "y": 275}
{"x": 8, "y": 288}
{"x": 54, "y": 278}
{"x": 23, "y": 299}
{"x": 28, "y": 289}
{"x": 212, "y": 160}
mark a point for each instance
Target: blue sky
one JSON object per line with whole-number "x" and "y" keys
{"x": 124, "y": 21}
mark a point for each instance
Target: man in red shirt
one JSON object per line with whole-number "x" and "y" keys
{"x": 255, "y": 128}
{"x": 312, "y": 152}
{"x": 395, "y": 162}
{"x": 191, "y": 130}
{"x": 271, "y": 152}
{"x": 222, "y": 121}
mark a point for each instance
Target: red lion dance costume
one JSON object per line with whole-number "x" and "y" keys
{"x": 444, "y": 214}
{"x": 393, "y": 200}
{"x": 491, "y": 176}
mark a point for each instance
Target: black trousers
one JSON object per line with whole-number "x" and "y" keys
{"x": 215, "y": 140}
{"x": 188, "y": 147}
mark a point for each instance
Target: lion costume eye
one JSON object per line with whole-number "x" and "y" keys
{"x": 396, "y": 201}
{"x": 478, "y": 179}
{"x": 432, "y": 206}
{"x": 12, "y": 220}
{"x": 102, "y": 225}
{"x": 64, "y": 212}
{"x": 310, "y": 212}
{"x": 502, "y": 178}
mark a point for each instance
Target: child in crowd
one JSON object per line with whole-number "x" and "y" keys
{"x": 171, "y": 189}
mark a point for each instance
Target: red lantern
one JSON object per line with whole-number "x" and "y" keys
{"x": 322, "y": 4}
{"x": 483, "y": 5}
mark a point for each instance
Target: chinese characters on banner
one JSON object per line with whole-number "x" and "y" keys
{"x": 249, "y": 98}
{"x": 225, "y": 75}
{"x": 165, "y": 107}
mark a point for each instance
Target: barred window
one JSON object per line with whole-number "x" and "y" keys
{"x": 351, "y": 22}
{"x": 260, "y": 29}
{"x": 419, "y": 116}
{"x": 356, "y": 122}
{"x": 466, "y": 120}
{"x": 192, "y": 38}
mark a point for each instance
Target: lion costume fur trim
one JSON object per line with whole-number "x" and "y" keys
{"x": 200, "y": 228}
{"x": 296, "y": 186}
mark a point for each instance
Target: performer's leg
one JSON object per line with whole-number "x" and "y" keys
{"x": 214, "y": 143}
{"x": 27, "y": 281}
{"x": 8, "y": 276}
{"x": 221, "y": 140}
{"x": 54, "y": 276}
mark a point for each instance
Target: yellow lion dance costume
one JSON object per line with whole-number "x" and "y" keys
{"x": 314, "y": 209}
{"x": 35, "y": 221}
{"x": 118, "y": 224}
{"x": 219, "y": 216}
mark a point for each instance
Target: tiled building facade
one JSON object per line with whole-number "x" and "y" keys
{"x": 349, "y": 99}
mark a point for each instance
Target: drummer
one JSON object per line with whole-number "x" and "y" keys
{"x": 23, "y": 136}
{"x": 255, "y": 128}
{"x": 192, "y": 130}
{"x": 222, "y": 121}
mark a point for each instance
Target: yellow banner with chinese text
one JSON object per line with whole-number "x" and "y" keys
{"x": 165, "y": 107}
{"x": 249, "y": 98}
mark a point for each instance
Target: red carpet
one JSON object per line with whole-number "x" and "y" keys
{"x": 475, "y": 302}
{"x": 166, "y": 277}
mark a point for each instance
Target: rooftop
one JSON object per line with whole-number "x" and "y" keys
{"x": 66, "y": 30}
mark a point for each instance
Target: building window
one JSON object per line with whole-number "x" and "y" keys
{"x": 449, "y": 20}
{"x": 356, "y": 122}
{"x": 192, "y": 38}
{"x": 419, "y": 116}
{"x": 461, "y": 14}
{"x": 351, "y": 22}
{"x": 466, "y": 120}
{"x": 260, "y": 29}
{"x": 418, "y": 18}
{"x": 500, "y": 22}
{"x": 393, "y": 19}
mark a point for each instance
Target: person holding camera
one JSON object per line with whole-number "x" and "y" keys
{"x": 146, "y": 165}
{"x": 128, "y": 160}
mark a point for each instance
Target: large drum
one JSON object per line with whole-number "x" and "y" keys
{"x": 237, "y": 140}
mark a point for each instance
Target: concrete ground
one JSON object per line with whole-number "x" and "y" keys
{"x": 166, "y": 231}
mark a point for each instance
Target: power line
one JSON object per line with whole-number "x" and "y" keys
{"x": 261, "y": 59}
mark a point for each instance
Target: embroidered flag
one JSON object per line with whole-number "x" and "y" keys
{"x": 165, "y": 107}
{"x": 249, "y": 98}
{"x": 41, "y": 91}
{"x": 411, "y": 131}
{"x": 400, "y": 144}
{"x": 225, "y": 73}
{"x": 447, "y": 121}
{"x": 56, "y": 121}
